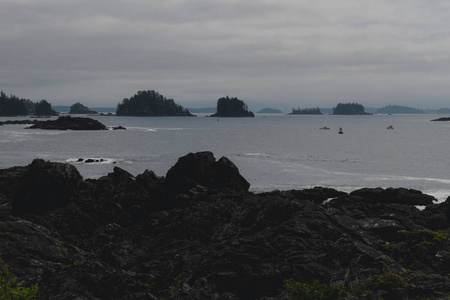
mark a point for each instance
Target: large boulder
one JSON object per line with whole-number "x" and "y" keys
{"x": 9, "y": 181}
{"x": 45, "y": 186}
{"x": 202, "y": 170}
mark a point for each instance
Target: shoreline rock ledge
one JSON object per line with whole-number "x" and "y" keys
{"x": 198, "y": 233}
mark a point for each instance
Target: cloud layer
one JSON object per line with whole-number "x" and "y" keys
{"x": 292, "y": 53}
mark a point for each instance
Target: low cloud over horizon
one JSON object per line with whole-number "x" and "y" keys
{"x": 278, "y": 53}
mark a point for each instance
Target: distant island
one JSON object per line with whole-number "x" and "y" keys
{"x": 79, "y": 108}
{"x": 14, "y": 106}
{"x": 397, "y": 109}
{"x": 442, "y": 119}
{"x": 306, "y": 111}
{"x": 270, "y": 111}
{"x": 443, "y": 111}
{"x": 150, "y": 104}
{"x": 349, "y": 109}
{"x": 232, "y": 107}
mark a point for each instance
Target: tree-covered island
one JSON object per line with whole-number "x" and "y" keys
{"x": 232, "y": 107}
{"x": 349, "y": 109}
{"x": 150, "y": 104}
{"x": 306, "y": 111}
{"x": 15, "y": 106}
{"x": 79, "y": 108}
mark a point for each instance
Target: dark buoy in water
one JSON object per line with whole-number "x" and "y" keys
{"x": 340, "y": 130}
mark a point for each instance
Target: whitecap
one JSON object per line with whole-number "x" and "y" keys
{"x": 142, "y": 129}
{"x": 256, "y": 154}
{"x": 98, "y": 160}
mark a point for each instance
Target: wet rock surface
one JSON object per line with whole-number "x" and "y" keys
{"x": 198, "y": 233}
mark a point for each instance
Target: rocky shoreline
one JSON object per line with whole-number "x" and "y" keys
{"x": 198, "y": 233}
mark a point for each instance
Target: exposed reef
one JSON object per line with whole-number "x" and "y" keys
{"x": 69, "y": 123}
{"x": 441, "y": 119}
{"x": 63, "y": 123}
{"x": 198, "y": 233}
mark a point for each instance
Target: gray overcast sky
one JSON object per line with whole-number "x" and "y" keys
{"x": 279, "y": 53}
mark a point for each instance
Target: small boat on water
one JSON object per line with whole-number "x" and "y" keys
{"x": 324, "y": 128}
{"x": 390, "y": 127}
{"x": 340, "y": 130}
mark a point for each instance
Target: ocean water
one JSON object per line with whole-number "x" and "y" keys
{"x": 271, "y": 151}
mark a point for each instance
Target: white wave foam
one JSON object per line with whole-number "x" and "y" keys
{"x": 141, "y": 129}
{"x": 256, "y": 154}
{"x": 153, "y": 129}
{"x": 98, "y": 160}
{"x": 440, "y": 195}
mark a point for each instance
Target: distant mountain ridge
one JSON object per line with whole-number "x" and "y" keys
{"x": 202, "y": 110}
{"x": 398, "y": 109}
{"x": 270, "y": 111}
{"x": 66, "y": 109}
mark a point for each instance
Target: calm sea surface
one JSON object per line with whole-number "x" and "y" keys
{"x": 271, "y": 151}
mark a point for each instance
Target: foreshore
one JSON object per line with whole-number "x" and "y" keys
{"x": 198, "y": 233}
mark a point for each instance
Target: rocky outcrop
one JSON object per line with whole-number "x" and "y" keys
{"x": 201, "y": 171}
{"x": 45, "y": 186}
{"x": 441, "y": 119}
{"x": 63, "y": 123}
{"x": 198, "y": 233}
{"x": 69, "y": 123}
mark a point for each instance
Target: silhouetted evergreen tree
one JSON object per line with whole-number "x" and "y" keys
{"x": 306, "y": 111}
{"x": 43, "y": 108}
{"x": 13, "y": 106}
{"x": 150, "y": 103}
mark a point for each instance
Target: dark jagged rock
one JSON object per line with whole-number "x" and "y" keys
{"x": 391, "y": 195}
{"x": 441, "y": 119}
{"x": 18, "y": 122}
{"x": 69, "y": 123}
{"x": 201, "y": 171}
{"x": 44, "y": 187}
{"x": 198, "y": 233}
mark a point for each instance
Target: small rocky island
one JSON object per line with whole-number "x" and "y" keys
{"x": 198, "y": 233}
{"x": 64, "y": 123}
{"x": 69, "y": 123}
{"x": 79, "y": 108}
{"x": 232, "y": 107}
{"x": 445, "y": 119}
